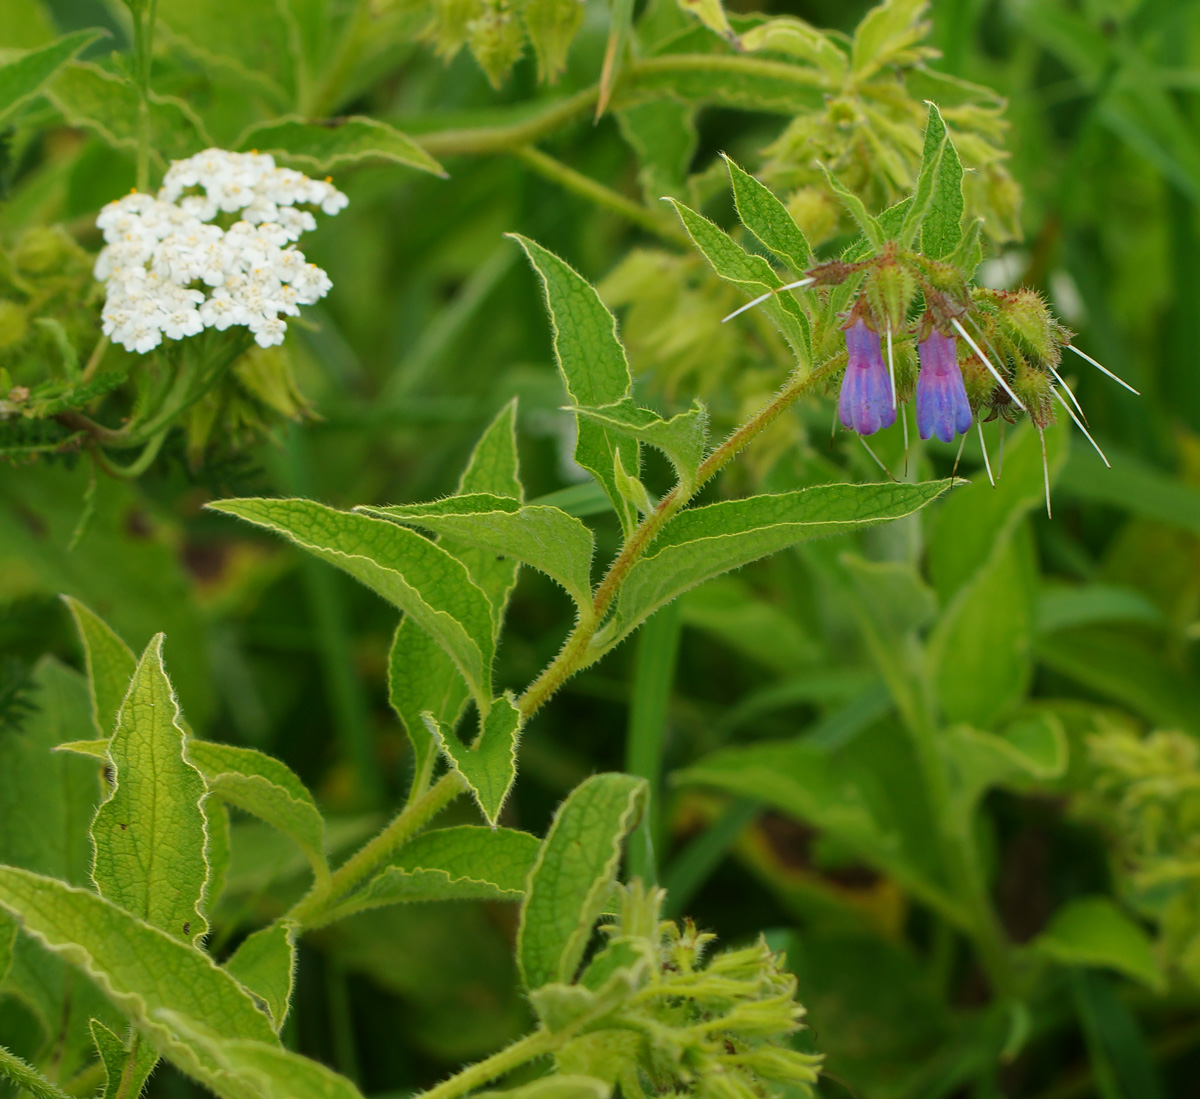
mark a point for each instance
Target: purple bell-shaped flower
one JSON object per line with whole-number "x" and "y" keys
{"x": 942, "y": 406}
{"x": 865, "y": 404}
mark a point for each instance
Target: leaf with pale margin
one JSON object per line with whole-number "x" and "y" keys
{"x": 768, "y": 219}
{"x": 268, "y": 789}
{"x": 463, "y": 862}
{"x": 886, "y": 35}
{"x": 264, "y": 964}
{"x": 108, "y": 105}
{"x": 421, "y": 676}
{"x": 143, "y": 970}
{"x": 682, "y": 438}
{"x": 422, "y": 579}
{"x": 752, "y": 273}
{"x": 593, "y": 366}
{"x": 787, "y": 34}
{"x": 22, "y": 78}
{"x": 574, "y": 874}
{"x": 150, "y": 834}
{"x": 1093, "y": 931}
{"x": 777, "y": 87}
{"x": 26, "y": 1078}
{"x": 490, "y": 764}
{"x": 868, "y": 226}
{"x": 544, "y": 538}
{"x": 941, "y": 219}
{"x": 704, "y": 542}
{"x": 116, "y": 1059}
{"x": 110, "y": 664}
{"x": 342, "y": 142}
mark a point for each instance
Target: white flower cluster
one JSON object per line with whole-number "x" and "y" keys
{"x": 171, "y": 272}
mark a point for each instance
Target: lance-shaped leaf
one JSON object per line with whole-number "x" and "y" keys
{"x": 703, "y": 542}
{"x": 143, "y": 970}
{"x": 681, "y": 438}
{"x": 267, "y": 788}
{"x": 1093, "y": 931}
{"x": 786, "y": 34}
{"x": 110, "y": 665}
{"x": 868, "y": 226}
{"x": 546, "y": 538}
{"x": 421, "y": 676}
{"x": 264, "y": 964}
{"x": 593, "y": 366}
{"x": 752, "y": 273}
{"x": 22, "y": 78}
{"x": 150, "y": 835}
{"x": 324, "y": 147}
{"x": 463, "y": 862}
{"x": 409, "y": 571}
{"x": 937, "y": 206}
{"x": 768, "y": 219}
{"x": 126, "y": 1067}
{"x": 574, "y": 875}
{"x": 490, "y": 764}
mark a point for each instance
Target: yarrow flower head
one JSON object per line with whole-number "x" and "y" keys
{"x": 171, "y": 270}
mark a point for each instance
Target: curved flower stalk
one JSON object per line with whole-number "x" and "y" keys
{"x": 171, "y": 270}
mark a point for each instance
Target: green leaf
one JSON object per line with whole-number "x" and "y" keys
{"x": 699, "y": 79}
{"x": 490, "y": 764}
{"x": 107, "y": 105}
{"x": 752, "y": 273}
{"x": 144, "y": 971}
{"x": 704, "y": 542}
{"x": 885, "y": 34}
{"x": 123, "y": 1065}
{"x": 712, "y": 15}
{"x": 592, "y": 364}
{"x": 545, "y": 538}
{"x": 325, "y": 147}
{"x": 1136, "y": 487}
{"x": 1093, "y": 931}
{"x": 409, "y": 571}
{"x": 682, "y": 438}
{"x": 270, "y": 790}
{"x": 663, "y": 135}
{"x": 26, "y": 1078}
{"x": 421, "y": 676}
{"x": 110, "y": 665}
{"x": 868, "y": 226}
{"x": 558, "y": 1085}
{"x": 264, "y": 964}
{"x": 1030, "y": 749}
{"x": 981, "y": 650}
{"x": 463, "y": 862}
{"x": 768, "y": 219}
{"x": 574, "y": 875}
{"x": 21, "y": 79}
{"x": 150, "y": 834}
{"x": 941, "y": 215}
{"x": 787, "y": 34}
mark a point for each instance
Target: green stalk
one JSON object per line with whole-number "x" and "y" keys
{"x": 523, "y": 1050}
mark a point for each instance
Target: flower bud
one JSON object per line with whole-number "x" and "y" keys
{"x": 1025, "y": 319}
{"x": 448, "y": 30}
{"x": 496, "y": 39}
{"x": 552, "y": 25}
{"x": 890, "y": 288}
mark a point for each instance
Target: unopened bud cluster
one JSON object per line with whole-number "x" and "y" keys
{"x": 171, "y": 270}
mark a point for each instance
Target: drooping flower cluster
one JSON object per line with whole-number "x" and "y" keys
{"x": 172, "y": 270}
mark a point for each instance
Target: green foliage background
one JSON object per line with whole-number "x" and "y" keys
{"x": 435, "y": 323}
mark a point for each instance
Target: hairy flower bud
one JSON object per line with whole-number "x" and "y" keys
{"x": 890, "y": 288}
{"x": 552, "y": 25}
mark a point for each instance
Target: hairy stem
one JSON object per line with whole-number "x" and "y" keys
{"x": 308, "y": 911}
{"x": 523, "y": 1050}
{"x": 576, "y": 652}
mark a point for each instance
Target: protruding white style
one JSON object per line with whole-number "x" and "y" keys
{"x": 988, "y": 363}
{"x": 878, "y": 460}
{"x": 769, "y": 294}
{"x": 170, "y": 272}
{"x": 1079, "y": 424}
{"x": 1074, "y": 400}
{"x": 1103, "y": 369}
{"x": 983, "y": 444}
{"x": 1045, "y": 470}
{"x": 891, "y": 367}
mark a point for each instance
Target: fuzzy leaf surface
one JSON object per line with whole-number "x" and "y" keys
{"x": 767, "y": 218}
{"x": 752, "y": 273}
{"x": 682, "y": 438}
{"x": 412, "y": 573}
{"x": 592, "y": 364}
{"x": 941, "y": 223}
{"x": 150, "y": 834}
{"x": 545, "y": 538}
{"x": 22, "y": 78}
{"x": 110, "y": 665}
{"x": 421, "y": 676}
{"x": 490, "y": 764}
{"x": 706, "y": 541}
{"x": 270, "y": 790}
{"x": 349, "y": 141}
{"x": 574, "y": 874}
{"x": 264, "y": 964}
{"x": 462, "y": 862}
{"x": 115, "y": 1056}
